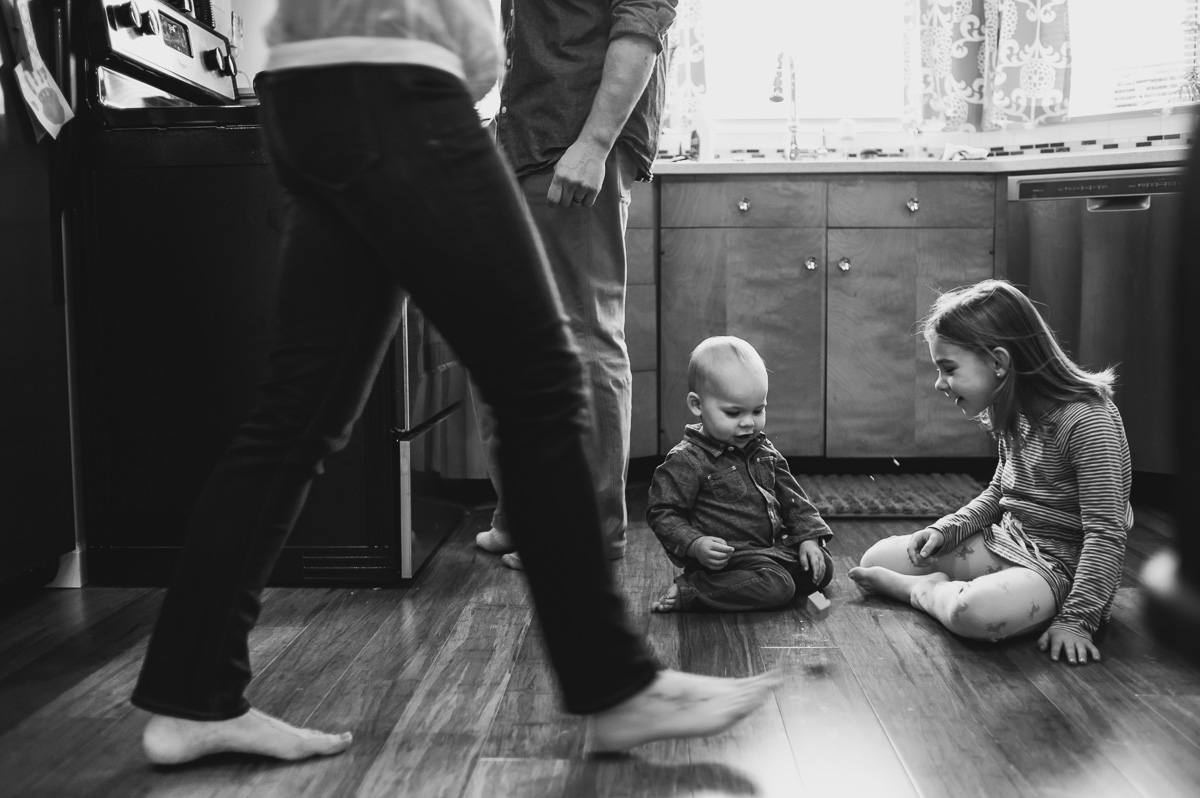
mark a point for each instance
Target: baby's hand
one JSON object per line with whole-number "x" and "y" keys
{"x": 923, "y": 545}
{"x": 812, "y": 560}
{"x": 1076, "y": 647}
{"x": 713, "y": 553}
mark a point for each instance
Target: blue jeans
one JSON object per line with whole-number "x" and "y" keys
{"x": 586, "y": 249}
{"x": 394, "y": 186}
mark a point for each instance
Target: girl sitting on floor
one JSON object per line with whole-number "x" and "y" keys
{"x": 1042, "y": 547}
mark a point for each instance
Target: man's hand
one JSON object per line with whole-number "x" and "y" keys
{"x": 578, "y": 176}
{"x": 812, "y": 560}
{"x": 713, "y": 553}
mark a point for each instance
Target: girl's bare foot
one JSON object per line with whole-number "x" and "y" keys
{"x": 886, "y": 582}
{"x": 172, "y": 741}
{"x": 677, "y": 705}
{"x": 667, "y": 602}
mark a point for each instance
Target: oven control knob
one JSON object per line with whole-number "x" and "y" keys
{"x": 217, "y": 61}
{"x": 127, "y": 15}
{"x": 149, "y": 24}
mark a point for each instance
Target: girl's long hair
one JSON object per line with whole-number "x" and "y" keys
{"x": 994, "y": 313}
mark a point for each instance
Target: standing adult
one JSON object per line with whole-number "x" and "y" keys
{"x": 580, "y": 108}
{"x": 393, "y": 186}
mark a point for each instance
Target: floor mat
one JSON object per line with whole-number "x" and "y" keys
{"x": 889, "y": 495}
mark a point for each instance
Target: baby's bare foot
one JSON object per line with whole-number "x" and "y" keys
{"x": 667, "y": 602}
{"x": 677, "y": 705}
{"x": 172, "y": 741}
{"x": 893, "y": 584}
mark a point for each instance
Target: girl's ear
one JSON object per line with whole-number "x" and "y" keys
{"x": 1001, "y": 361}
{"x": 693, "y": 401}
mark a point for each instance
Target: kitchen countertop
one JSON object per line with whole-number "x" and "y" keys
{"x": 1008, "y": 164}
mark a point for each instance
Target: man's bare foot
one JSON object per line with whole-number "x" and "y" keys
{"x": 886, "y": 582}
{"x": 667, "y": 602}
{"x": 677, "y": 705}
{"x": 173, "y": 741}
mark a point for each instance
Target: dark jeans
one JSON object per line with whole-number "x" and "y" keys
{"x": 394, "y": 186}
{"x": 748, "y": 582}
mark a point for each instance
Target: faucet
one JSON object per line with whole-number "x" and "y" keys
{"x": 793, "y": 149}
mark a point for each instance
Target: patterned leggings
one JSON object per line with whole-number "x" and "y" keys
{"x": 987, "y": 598}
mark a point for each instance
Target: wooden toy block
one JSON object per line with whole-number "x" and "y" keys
{"x": 817, "y": 602}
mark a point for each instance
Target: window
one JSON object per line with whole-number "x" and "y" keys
{"x": 1128, "y": 56}
{"x": 849, "y": 58}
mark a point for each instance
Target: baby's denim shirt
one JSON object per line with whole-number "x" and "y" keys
{"x": 749, "y": 498}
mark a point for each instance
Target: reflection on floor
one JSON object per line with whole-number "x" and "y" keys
{"x": 446, "y": 689}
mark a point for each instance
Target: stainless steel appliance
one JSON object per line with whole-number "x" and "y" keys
{"x": 176, "y": 223}
{"x": 1097, "y": 249}
{"x": 163, "y": 45}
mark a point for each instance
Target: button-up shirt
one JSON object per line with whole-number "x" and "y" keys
{"x": 747, "y": 497}
{"x": 555, "y": 60}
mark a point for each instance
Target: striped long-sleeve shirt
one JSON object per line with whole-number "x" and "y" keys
{"x": 1060, "y": 506}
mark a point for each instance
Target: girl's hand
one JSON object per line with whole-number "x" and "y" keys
{"x": 713, "y": 553}
{"x": 812, "y": 560}
{"x": 923, "y": 545}
{"x": 1077, "y": 647}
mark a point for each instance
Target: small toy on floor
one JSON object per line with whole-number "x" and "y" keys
{"x": 817, "y": 603}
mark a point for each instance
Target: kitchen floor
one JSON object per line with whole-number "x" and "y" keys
{"x": 447, "y": 691}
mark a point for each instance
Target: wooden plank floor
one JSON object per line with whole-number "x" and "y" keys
{"x": 447, "y": 690}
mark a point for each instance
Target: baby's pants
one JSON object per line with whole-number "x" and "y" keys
{"x": 987, "y": 597}
{"x": 748, "y": 582}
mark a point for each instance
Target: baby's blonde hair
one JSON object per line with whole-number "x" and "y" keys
{"x": 714, "y": 352}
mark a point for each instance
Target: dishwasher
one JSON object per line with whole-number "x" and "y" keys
{"x": 1096, "y": 252}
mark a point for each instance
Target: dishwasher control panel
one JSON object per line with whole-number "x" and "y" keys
{"x": 1118, "y": 183}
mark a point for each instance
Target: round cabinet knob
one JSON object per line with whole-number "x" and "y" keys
{"x": 743, "y": 204}
{"x": 810, "y": 263}
{"x": 217, "y": 61}
{"x": 912, "y": 205}
{"x": 127, "y": 15}
{"x": 844, "y": 264}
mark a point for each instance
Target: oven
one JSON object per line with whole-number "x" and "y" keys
{"x": 175, "y": 222}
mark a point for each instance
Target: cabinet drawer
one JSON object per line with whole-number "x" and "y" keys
{"x": 743, "y": 201}
{"x": 939, "y": 202}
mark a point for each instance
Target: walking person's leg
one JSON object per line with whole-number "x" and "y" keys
{"x": 469, "y": 256}
{"x": 336, "y": 312}
{"x": 399, "y": 164}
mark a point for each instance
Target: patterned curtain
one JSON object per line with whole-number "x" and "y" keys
{"x": 685, "y": 67}
{"x": 988, "y": 64}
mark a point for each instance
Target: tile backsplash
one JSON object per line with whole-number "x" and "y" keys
{"x": 747, "y": 140}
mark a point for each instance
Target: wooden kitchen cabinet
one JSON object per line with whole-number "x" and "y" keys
{"x": 761, "y": 257}
{"x": 641, "y": 316}
{"x": 744, "y": 256}
{"x": 894, "y": 244}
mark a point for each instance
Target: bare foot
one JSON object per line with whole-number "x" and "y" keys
{"x": 172, "y": 741}
{"x": 495, "y": 541}
{"x": 886, "y": 582}
{"x": 667, "y": 602}
{"x": 677, "y": 705}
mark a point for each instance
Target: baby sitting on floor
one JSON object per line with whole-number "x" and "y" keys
{"x": 724, "y": 504}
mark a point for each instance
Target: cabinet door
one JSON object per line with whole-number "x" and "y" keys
{"x": 881, "y": 400}
{"x": 753, "y": 284}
